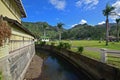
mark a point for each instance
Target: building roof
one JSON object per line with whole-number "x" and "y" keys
{"x": 18, "y": 24}
{"x": 20, "y": 6}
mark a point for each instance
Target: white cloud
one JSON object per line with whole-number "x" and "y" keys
{"x": 78, "y": 3}
{"x": 83, "y": 21}
{"x": 74, "y": 25}
{"x": 117, "y": 9}
{"x": 88, "y": 4}
{"x": 58, "y": 4}
{"x": 100, "y": 23}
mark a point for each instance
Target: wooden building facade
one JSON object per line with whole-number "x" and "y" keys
{"x": 16, "y": 48}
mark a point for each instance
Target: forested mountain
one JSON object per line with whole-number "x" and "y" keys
{"x": 88, "y": 32}
{"x": 37, "y": 29}
{"x": 79, "y": 31}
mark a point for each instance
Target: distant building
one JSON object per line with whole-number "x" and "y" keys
{"x": 112, "y": 38}
{"x": 17, "y": 51}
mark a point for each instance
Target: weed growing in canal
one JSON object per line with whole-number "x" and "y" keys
{"x": 52, "y": 44}
{"x": 42, "y": 43}
{"x": 0, "y": 75}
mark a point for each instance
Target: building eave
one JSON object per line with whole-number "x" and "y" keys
{"x": 18, "y": 25}
{"x": 20, "y": 6}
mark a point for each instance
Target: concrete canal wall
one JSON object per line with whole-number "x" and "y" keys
{"x": 14, "y": 65}
{"x": 94, "y": 69}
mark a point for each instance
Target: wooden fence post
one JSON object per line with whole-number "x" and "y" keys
{"x": 103, "y": 55}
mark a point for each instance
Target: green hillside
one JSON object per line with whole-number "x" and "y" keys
{"x": 79, "y": 31}
{"x": 88, "y": 32}
{"x": 37, "y": 29}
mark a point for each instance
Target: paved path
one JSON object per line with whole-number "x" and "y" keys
{"x": 113, "y": 52}
{"x": 92, "y": 49}
{"x": 98, "y": 50}
{"x": 34, "y": 71}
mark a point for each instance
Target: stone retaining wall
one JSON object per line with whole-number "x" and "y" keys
{"x": 14, "y": 65}
{"x": 94, "y": 69}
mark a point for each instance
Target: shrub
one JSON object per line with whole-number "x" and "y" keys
{"x": 42, "y": 43}
{"x": 67, "y": 46}
{"x": 64, "y": 45}
{"x": 52, "y": 44}
{"x": 80, "y": 49}
{"x": 60, "y": 46}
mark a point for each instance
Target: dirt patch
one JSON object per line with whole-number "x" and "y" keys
{"x": 35, "y": 69}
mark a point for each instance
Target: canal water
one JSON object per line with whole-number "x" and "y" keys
{"x": 55, "y": 68}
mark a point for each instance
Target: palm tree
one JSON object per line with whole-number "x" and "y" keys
{"x": 59, "y": 25}
{"x": 45, "y": 25}
{"x": 117, "y": 21}
{"x": 106, "y": 12}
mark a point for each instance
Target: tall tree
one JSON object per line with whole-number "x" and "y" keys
{"x": 117, "y": 21}
{"x": 45, "y": 25}
{"x": 106, "y": 12}
{"x": 60, "y": 25}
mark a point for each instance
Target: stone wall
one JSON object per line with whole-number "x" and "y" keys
{"x": 14, "y": 65}
{"x": 4, "y": 68}
{"x": 94, "y": 69}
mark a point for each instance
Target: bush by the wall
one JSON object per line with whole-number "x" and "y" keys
{"x": 60, "y": 45}
{"x": 67, "y": 46}
{"x": 80, "y": 49}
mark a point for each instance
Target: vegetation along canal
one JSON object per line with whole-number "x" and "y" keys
{"x": 55, "y": 68}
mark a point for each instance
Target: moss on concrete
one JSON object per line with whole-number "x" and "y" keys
{"x": 0, "y": 75}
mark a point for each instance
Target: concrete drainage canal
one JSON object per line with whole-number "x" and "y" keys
{"x": 56, "y": 68}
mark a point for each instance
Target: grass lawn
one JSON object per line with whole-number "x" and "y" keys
{"x": 96, "y": 55}
{"x": 95, "y": 43}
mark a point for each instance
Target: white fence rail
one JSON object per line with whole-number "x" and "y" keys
{"x": 105, "y": 52}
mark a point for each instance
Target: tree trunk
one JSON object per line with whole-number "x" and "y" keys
{"x": 107, "y": 31}
{"x": 59, "y": 35}
{"x": 44, "y": 33}
{"x": 117, "y": 33}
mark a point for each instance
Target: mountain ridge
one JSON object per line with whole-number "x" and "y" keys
{"x": 80, "y": 31}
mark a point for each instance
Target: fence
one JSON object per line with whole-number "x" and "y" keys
{"x": 106, "y": 53}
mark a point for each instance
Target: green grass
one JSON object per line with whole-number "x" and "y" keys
{"x": 95, "y": 43}
{"x": 0, "y": 75}
{"x": 113, "y": 61}
{"x": 92, "y": 54}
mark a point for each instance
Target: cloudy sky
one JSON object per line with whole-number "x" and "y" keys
{"x": 70, "y": 12}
